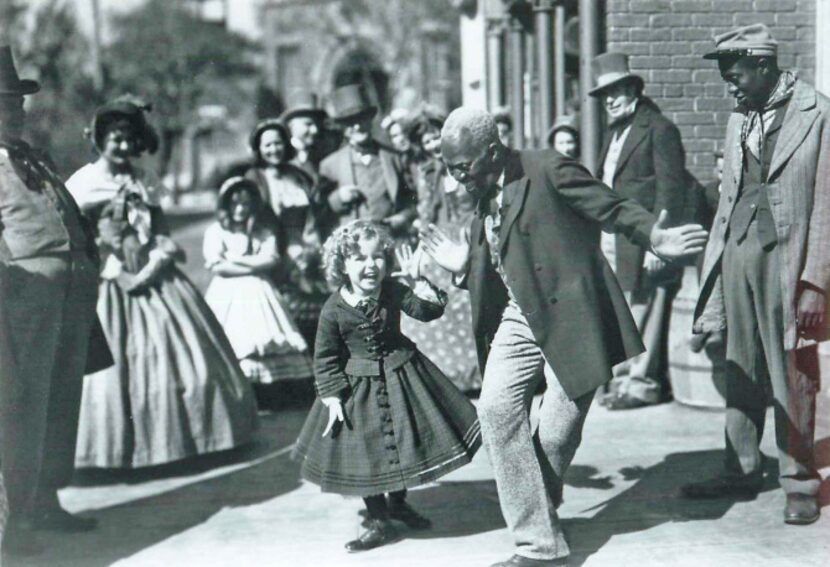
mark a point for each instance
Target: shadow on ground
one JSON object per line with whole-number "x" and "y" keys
{"x": 457, "y": 509}
{"x": 654, "y": 500}
{"x": 126, "y": 529}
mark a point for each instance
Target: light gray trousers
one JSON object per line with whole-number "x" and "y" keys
{"x": 528, "y": 466}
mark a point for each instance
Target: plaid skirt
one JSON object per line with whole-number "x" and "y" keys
{"x": 401, "y": 431}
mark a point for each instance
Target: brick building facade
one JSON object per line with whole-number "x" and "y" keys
{"x": 666, "y": 39}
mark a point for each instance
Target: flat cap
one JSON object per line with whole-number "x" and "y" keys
{"x": 755, "y": 40}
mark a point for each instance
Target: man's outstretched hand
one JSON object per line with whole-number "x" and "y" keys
{"x": 679, "y": 241}
{"x": 447, "y": 253}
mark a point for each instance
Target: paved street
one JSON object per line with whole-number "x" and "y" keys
{"x": 622, "y": 507}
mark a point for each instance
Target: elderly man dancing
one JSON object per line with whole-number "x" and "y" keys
{"x": 534, "y": 269}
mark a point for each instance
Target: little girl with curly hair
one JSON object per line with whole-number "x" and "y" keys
{"x": 386, "y": 418}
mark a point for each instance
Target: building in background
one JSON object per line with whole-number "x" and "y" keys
{"x": 534, "y": 56}
{"x": 405, "y": 52}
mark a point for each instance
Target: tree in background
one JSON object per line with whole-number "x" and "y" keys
{"x": 49, "y": 45}
{"x": 162, "y": 52}
{"x": 179, "y": 62}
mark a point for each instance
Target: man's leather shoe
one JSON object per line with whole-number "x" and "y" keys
{"x": 725, "y": 487}
{"x": 403, "y": 512}
{"x": 20, "y": 541}
{"x": 59, "y": 520}
{"x": 380, "y": 533}
{"x": 522, "y": 561}
{"x": 623, "y": 402}
{"x": 801, "y": 509}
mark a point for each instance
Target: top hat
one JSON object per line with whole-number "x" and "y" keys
{"x": 124, "y": 108}
{"x": 611, "y": 69}
{"x": 752, "y": 40}
{"x": 302, "y": 103}
{"x": 351, "y": 102}
{"x": 10, "y": 82}
{"x": 565, "y": 122}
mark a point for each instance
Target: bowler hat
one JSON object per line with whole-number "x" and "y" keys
{"x": 564, "y": 122}
{"x": 124, "y": 108}
{"x": 611, "y": 69}
{"x": 302, "y": 103}
{"x": 752, "y": 40}
{"x": 351, "y": 102}
{"x": 10, "y": 82}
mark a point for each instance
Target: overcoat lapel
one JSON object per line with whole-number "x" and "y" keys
{"x": 798, "y": 121}
{"x": 514, "y": 193}
{"x": 638, "y": 133}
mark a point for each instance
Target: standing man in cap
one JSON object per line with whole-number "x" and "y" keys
{"x": 49, "y": 288}
{"x": 766, "y": 270}
{"x": 642, "y": 158}
{"x": 368, "y": 181}
{"x": 304, "y": 120}
{"x": 543, "y": 298}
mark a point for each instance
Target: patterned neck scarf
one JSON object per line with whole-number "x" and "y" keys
{"x": 753, "y": 129}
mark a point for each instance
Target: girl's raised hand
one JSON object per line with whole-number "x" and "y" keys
{"x": 335, "y": 412}
{"x": 409, "y": 262}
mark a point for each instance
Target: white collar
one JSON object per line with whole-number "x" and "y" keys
{"x": 352, "y": 299}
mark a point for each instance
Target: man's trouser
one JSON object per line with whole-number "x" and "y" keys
{"x": 49, "y": 307}
{"x": 528, "y": 467}
{"x": 757, "y": 365}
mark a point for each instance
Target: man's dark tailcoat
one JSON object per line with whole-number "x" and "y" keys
{"x": 550, "y": 250}
{"x": 651, "y": 170}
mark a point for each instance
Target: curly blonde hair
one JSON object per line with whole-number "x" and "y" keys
{"x": 345, "y": 241}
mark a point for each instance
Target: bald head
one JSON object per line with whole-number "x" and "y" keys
{"x": 469, "y": 131}
{"x": 471, "y": 149}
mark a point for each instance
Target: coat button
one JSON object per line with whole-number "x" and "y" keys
{"x": 729, "y": 199}
{"x": 538, "y": 267}
{"x": 723, "y": 220}
{"x": 552, "y": 299}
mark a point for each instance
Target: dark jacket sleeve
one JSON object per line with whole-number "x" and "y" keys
{"x": 330, "y": 355}
{"x": 594, "y": 200}
{"x": 417, "y": 307}
{"x": 671, "y": 178}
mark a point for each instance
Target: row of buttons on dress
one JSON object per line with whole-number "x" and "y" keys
{"x": 375, "y": 339}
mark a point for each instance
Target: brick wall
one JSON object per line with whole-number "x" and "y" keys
{"x": 666, "y": 40}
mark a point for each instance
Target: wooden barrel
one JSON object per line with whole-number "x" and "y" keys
{"x": 695, "y": 379}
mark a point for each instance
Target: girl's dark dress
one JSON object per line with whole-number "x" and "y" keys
{"x": 406, "y": 423}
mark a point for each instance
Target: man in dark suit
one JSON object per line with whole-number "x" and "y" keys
{"x": 642, "y": 158}
{"x": 543, "y": 297}
{"x": 364, "y": 179}
{"x": 48, "y": 288}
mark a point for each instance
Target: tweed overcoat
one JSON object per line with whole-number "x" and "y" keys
{"x": 652, "y": 171}
{"x": 798, "y": 189}
{"x": 337, "y": 170}
{"x": 550, "y": 251}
